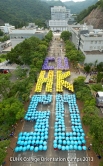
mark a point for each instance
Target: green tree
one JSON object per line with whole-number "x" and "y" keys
{"x": 43, "y": 49}
{"x": 48, "y": 36}
{"x": 87, "y": 68}
{"x": 101, "y": 163}
{"x": 1, "y": 33}
{"x": 21, "y": 88}
{"x": 100, "y": 67}
{"x": 96, "y": 129}
{"x": 75, "y": 56}
{"x": 3, "y": 145}
{"x": 72, "y": 55}
{"x": 11, "y": 111}
{"x": 86, "y": 12}
{"x": 19, "y": 13}
{"x": 65, "y": 35}
{"x": 97, "y": 87}
{"x": 33, "y": 73}
{"x": 20, "y": 73}
{"x": 30, "y": 49}
{"x": 5, "y": 85}
{"x": 101, "y": 3}
{"x": 86, "y": 119}
{"x": 90, "y": 102}
{"x": 80, "y": 56}
{"x": 4, "y": 38}
{"x": 99, "y": 77}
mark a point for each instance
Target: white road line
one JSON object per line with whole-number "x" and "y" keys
{"x": 23, "y": 126}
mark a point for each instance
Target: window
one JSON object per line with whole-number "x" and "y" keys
{"x": 91, "y": 42}
{"x": 99, "y": 42}
{"x": 91, "y": 48}
{"x": 95, "y": 42}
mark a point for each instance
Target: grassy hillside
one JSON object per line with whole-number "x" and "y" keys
{"x": 87, "y": 11}
{"x": 19, "y": 12}
{"x": 77, "y": 7}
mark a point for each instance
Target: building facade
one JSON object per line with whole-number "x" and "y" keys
{"x": 19, "y": 35}
{"x": 60, "y": 13}
{"x": 58, "y": 25}
{"x": 59, "y": 18}
{"x": 7, "y": 28}
{"x": 4, "y": 45}
{"x": 89, "y": 41}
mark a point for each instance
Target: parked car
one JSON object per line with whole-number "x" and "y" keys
{"x": 99, "y": 99}
{"x": 4, "y": 71}
{"x": 91, "y": 80}
{"x": 8, "y": 63}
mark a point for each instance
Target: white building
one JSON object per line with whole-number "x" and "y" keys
{"x": 89, "y": 41}
{"x": 7, "y": 28}
{"x": 19, "y": 35}
{"x": 59, "y": 18}
{"x": 60, "y": 25}
{"x": 60, "y": 13}
{"x": 4, "y": 45}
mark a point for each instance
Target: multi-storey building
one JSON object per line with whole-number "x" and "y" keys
{"x": 59, "y": 18}
{"x": 4, "y": 45}
{"x": 89, "y": 41}
{"x": 58, "y": 25}
{"x": 19, "y": 35}
{"x": 7, "y": 28}
{"x": 60, "y": 13}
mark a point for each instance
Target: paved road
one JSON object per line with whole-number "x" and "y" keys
{"x": 11, "y": 67}
{"x": 55, "y": 50}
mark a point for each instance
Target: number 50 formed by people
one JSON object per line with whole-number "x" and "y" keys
{"x": 38, "y": 140}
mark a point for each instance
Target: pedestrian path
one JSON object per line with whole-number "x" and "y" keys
{"x": 56, "y": 50}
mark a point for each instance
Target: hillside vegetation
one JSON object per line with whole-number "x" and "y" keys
{"x": 20, "y": 12}
{"x": 87, "y": 11}
{"x": 77, "y": 7}
{"x": 55, "y": 3}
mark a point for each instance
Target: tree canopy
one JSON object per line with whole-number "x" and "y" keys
{"x": 72, "y": 53}
{"x": 65, "y": 35}
{"x": 19, "y": 13}
{"x": 91, "y": 116}
{"x": 1, "y": 33}
{"x": 31, "y": 52}
{"x": 5, "y": 85}
{"x": 87, "y": 11}
{"x": 3, "y": 145}
{"x": 11, "y": 110}
{"x": 4, "y": 38}
{"x": 25, "y": 52}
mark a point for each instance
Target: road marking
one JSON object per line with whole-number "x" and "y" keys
{"x": 72, "y": 155}
{"x": 23, "y": 126}
{"x": 19, "y": 155}
{"x": 15, "y": 137}
{"x": 72, "y": 164}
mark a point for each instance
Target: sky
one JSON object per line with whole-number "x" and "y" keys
{"x": 73, "y": 0}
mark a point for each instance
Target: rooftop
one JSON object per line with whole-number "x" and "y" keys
{"x": 76, "y": 28}
{"x": 23, "y": 31}
{"x": 94, "y": 52}
{"x": 8, "y": 49}
{"x": 100, "y": 94}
